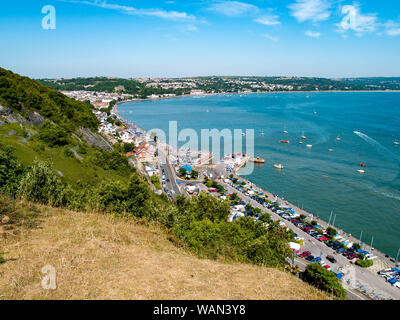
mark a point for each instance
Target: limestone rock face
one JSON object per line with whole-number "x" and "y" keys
{"x": 94, "y": 139}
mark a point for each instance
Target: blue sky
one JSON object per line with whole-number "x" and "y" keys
{"x": 137, "y": 38}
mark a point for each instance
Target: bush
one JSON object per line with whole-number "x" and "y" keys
{"x": 365, "y": 263}
{"x": 331, "y": 231}
{"x": 324, "y": 279}
{"x": 244, "y": 240}
{"x": 68, "y": 153}
{"x": 53, "y": 135}
{"x": 111, "y": 161}
{"x": 11, "y": 171}
{"x": 128, "y": 147}
{"x": 41, "y": 184}
{"x": 116, "y": 197}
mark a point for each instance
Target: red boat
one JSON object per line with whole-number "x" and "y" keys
{"x": 363, "y": 165}
{"x": 285, "y": 141}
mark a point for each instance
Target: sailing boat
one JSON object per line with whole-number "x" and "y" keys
{"x": 338, "y": 138}
{"x": 303, "y": 136}
{"x": 284, "y": 130}
{"x": 262, "y": 132}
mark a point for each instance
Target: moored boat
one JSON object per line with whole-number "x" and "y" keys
{"x": 258, "y": 160}
{"x": 285, "y": 141}
{"x": 278, "y": 166}
{"x": 309, "y": 146}
{"x": 361, "y": 171}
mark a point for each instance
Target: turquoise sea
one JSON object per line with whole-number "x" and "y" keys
{"x": 314, "y": 178}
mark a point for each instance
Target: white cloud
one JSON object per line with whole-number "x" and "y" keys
{"x": 313, "y": 10}
{"x": 160, "y": 13}
{"x": 270, "y": 37}
{"x": 392, "y": 28}
{"x": 268, "y": 20}
{"x": 313, "y": 34}
{"x": 233, "y": 8}
{"x": 356, "y": 21}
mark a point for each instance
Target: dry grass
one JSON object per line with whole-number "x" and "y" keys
{"x": 98, "y": 257}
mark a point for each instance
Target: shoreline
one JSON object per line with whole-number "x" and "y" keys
{"x": 262, "y": 92}
{"x": 284, "y": 202}
{"x": 381, "y": 255}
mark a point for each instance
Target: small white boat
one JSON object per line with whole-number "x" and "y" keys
{"x": 301, "y": 142}
{"x": 309, "y": 146}
{"x": 330, "y": 150}
{"x": 338, "y": 138}
{"x": 361, "y": 171}
{"x": 303, "y": 136}
{"x": 396, "y": 143}
{"x": 284, "y": 131}
{"x": 243, "y": 134}
{"x": 278, "y": 166}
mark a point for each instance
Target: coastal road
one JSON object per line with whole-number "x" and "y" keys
{"x": 354, "y": 278}
{"x": 171, "y": 184}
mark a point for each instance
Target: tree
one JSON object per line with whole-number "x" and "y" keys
{"x": 331, "y": 231}
{"x": 195, "y": 174}
{"x": 314, "y": 223}
{"x": 356, "y": 246}
{"x": 365, "y": 263}
{"x": 11, "y": 170}
{"x": 182, "y": 172}
{"x": 324, "y": 279}
{"x": 265, "y": 217}
{"x": 128, "y": 147}
{"x": 53, "y": 135}
{"x": 42, "y": 184}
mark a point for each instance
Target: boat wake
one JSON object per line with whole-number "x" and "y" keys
{"x": 377, "y": 145}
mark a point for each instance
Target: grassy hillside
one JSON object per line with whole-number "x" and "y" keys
{"x": 52, "y": 164}
{"x": 100, "y": 257}
{"x": 22, "y": 94}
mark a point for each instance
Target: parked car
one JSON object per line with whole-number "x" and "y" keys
{"x": 310, "y": 258}
{"x": 316, "y": 259}
{"x": 331, "y": 259}
{"x": 305, "y": 254}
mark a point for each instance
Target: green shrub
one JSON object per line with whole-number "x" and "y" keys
{"x": 331, "y": 231}
{"x": 244, "y": 240}
{"x": 41, "y": 184}
{"x": 11, "y": 171}
{"x": 53, "y": 135}
{"x": 128, "y": 147}
{"x": 324, "y": 279}
{"x": 68, "y": 153}
{"x": 365, "y": 263}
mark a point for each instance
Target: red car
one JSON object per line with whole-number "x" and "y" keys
{"x": 305, "y": 254}
{"x": 322, "y": 238}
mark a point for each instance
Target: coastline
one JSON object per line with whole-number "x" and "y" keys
{"x": 261, "y": 92}
{"x": 381, "y": 255}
